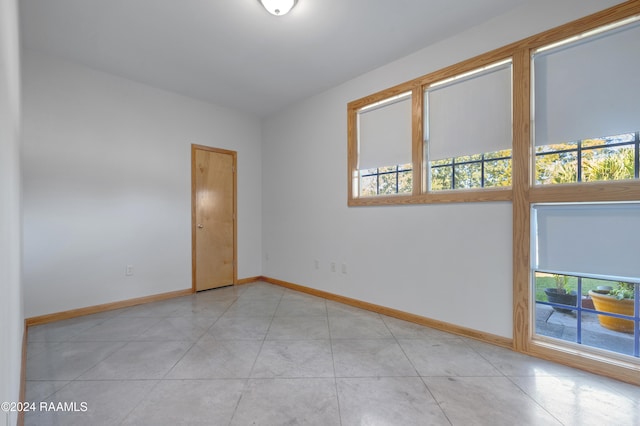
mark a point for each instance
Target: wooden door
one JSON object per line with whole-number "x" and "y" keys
{"x": 213, "y": 184}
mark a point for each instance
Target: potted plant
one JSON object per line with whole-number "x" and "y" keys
{"x": 618, "y": 301}
{"x": 560, "y": 293}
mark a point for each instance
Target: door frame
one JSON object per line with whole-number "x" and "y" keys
{"x": 234, "y": 156}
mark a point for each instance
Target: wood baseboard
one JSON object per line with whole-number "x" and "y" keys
{"x": 59, "y": 316}
{"x": 249, "y": 280}
{"x": 417, "y": 319}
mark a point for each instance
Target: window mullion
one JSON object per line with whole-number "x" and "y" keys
{"x": 579, "y": 165}
{"x": 453, "y": 173}
{"x": 482, "y": 172}
{"x": 636, "y": 162}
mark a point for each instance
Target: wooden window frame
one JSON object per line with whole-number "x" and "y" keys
{"x": 522, "y": 192}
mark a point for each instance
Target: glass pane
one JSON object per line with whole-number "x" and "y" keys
{"x": 497, "y": 173}
{"x": 443, "y": 162}
{"x": 579, "y": 323}
{"x": 505, "y": 153}
{"x": 557, "y": 289}
{"x": 468, "y": 176}
{"x": 589, "y": 284}
{"x": 615, "y": 163}
{"x": 557, "y": 147}
{"x": 552, "y": 323}
{"x": 464, "y": 158}
{"x": 387, "y": 184}
{"x": 593, "y": 142}
{"x": 441, "y": 177}
{"x": 604, "y": 331}
{"x": 365, "y": 172}
{"x": 608, "y": 140}
{"x": 625, "y": 137}
{"x": 386, "y": 181}
{"x": 559, "y": 319}
{"x": 557, "y": 168}
{"x": 368, "y": 186}
{"x": 602, "y": 159}
{"x": 594, "y": 335}
{"x": 405, "y": 182}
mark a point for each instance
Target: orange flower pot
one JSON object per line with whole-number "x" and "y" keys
{"x": 606, "y": 303}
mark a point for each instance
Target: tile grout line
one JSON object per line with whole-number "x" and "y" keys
{"x": 198, "y": 339}
{"x": 151, "y": 389}
{"x": 246, "y": 380}
{"x": 524, "y": 392}
{"x": 417, "y": 372}
{"x": 157, "y": 381}
{"x": 333, "y": 362}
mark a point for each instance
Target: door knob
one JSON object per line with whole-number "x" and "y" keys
{"x": 200, "y": 226}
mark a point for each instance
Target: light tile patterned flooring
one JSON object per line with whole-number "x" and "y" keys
{"x": 261, "y": 354}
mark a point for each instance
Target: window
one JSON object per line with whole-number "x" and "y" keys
{"x": 583, "y": 251}
{"x": 463, "y": 143}
{"x": 586, "y": 87}
{"x": 468, "y": 129}
{"x": 384, "y": 147}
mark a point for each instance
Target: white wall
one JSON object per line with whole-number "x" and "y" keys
{"x": 446, "y": 262}
{"x": 107, "y": 184}
{"x": 11, "y": 311}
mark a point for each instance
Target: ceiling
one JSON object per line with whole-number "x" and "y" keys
{"x": 235, "y": 54}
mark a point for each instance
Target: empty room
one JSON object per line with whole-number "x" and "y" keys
{"x": 319, "y": 212}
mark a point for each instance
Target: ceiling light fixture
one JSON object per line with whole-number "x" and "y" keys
{"x": 278, "y": 7}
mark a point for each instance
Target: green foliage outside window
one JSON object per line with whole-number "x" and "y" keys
{"x": 386, "y": 181}
{"x": 469, "y": 171}
{"x": 602, "y": 159}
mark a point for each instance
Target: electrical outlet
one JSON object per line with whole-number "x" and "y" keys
{"x": 344, "y": 268}
{"x": 316, "y": 264}
{"x": 266, "y": 256}
{"x": 333, "y": 266}
{"x": 128, "y": 270}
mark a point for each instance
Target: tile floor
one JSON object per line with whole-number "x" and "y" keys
{"x": 261, "y": 354}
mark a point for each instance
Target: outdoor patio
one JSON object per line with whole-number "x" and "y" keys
{"x": 564, "y": 326}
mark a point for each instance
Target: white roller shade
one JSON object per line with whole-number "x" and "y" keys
{"x": 592, "y": 239}
{"x": 384, "y": 134}
{"x": 471, "y": 116}
{"x": 588, "y": 89}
